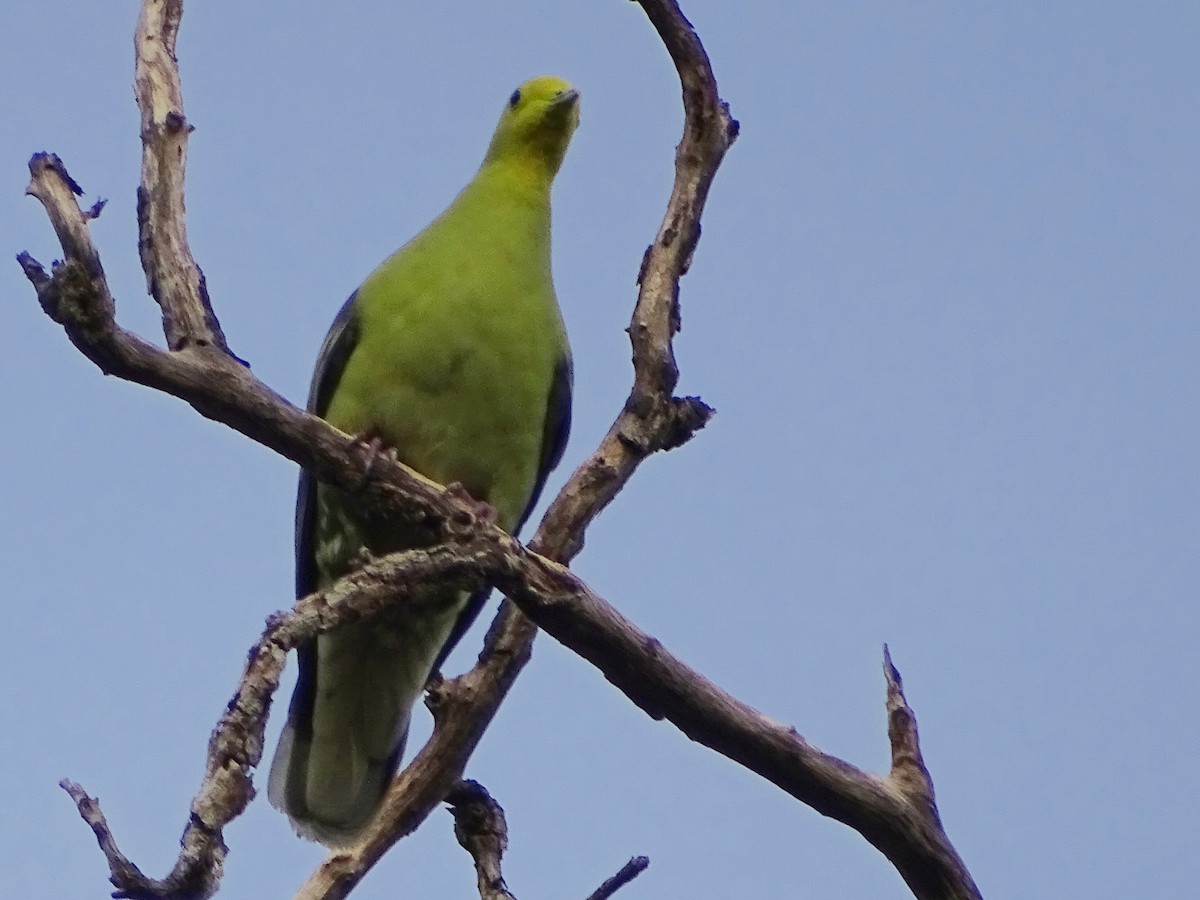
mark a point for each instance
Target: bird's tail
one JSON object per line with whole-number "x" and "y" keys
{"x": 348, "y": 722}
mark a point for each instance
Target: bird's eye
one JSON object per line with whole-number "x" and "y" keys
{"x": 515, "y": 98}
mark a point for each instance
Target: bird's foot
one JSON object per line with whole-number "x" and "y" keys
{"x": 482, "y": 512}
{"x": 374, "y": 447}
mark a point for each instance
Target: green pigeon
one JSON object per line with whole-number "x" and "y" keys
{"x": 453, "y": 353}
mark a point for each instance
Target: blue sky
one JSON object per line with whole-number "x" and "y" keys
{"x": 945, "y": 304}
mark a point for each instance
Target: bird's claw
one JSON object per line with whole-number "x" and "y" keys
{"x": 373, "y": 448}
{"x": 481, "y": 511}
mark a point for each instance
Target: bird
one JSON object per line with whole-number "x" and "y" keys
{"x": 454, "y": 355}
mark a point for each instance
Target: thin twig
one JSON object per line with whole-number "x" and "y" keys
{"x": 625, "y": 874}
{"x": 123, "y": 872}
{"x": 908, "y": 766}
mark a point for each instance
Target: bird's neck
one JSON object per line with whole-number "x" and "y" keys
{"x": 527, "y": 176}
{"x": 510, "y": 204}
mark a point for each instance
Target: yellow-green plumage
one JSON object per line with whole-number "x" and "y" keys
{"x": 453, "y": 352}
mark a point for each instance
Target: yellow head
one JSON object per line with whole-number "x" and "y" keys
{"x": 537, "y": 123}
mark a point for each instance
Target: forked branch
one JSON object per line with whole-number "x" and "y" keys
{"x": 482, "y": 831}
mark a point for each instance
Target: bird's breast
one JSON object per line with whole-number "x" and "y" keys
{"x": 461, "y": 397}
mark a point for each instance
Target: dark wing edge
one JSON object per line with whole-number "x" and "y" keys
{"x": 331, "y": 363}
{"x": 555, "y": 431}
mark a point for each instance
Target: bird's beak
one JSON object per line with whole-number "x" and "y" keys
{"x": 566, "y": 99}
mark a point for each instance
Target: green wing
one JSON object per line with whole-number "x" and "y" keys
{"x": 555, "y": 432}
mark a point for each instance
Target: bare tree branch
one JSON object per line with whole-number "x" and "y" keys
{"x": 480, "y": 827}
{"x": 77, "y": 296}
{"x": 625, "y": 874}
{"x": 897, "y": 813}
{"x": 482, "y": 831}
{"x": 172, "y": 276}
{"x": 908, "y": 767}
{"x": 123, "y": 871}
